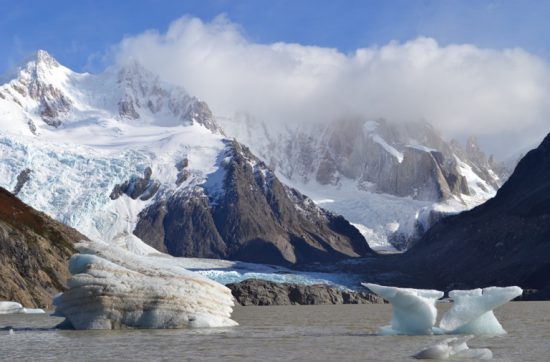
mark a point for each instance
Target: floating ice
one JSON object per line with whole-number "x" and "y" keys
{"x": 17, "y": 308}
{"x": 10, "y": 307}
{"x": 413, "y": 310}
{"x": 113, "y": 288}
{"x": 455, "y": 347}
{"x": 472, "y": 310}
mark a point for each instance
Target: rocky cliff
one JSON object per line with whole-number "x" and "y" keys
{"x": 246, "y": 213}
{"x": 34, "y": 250}
{"x": 505, "y": 241}
{"x": 261, "y": 292}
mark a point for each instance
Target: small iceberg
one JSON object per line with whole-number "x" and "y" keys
{"x": 472, "y": 310}
{"x": 113, "y": 288}
{"x": 452, "y": 348}
{"x": 414, "y": 311}
{"x": 16, "y": 308}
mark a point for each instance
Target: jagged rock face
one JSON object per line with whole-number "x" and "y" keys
{"x": 137, "y": 187}
{"x": 34, "y": 250}
{"x": 250, "y": 216}
{"x": 144, "y": 92}
{"x": 53, "y": 93}
{"x": 51, "y": 103}
{"x": 262, "y": 292}
{"x": 399, "y": 159}
{"x": 505, "y": 241}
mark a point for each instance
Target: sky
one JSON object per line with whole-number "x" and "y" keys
{"x": 467, "y": 66}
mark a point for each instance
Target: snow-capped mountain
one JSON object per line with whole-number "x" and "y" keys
{"x": 391, "y": 180}
{"x": 122, "y": 153}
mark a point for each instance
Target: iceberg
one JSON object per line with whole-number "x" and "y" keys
{"x": 472, "y": 310}
{"x": 17, "y": 308}
{"x": 413, "y": 312}
{"x": 455, "y": 347}
{"x": 113, "y": 288}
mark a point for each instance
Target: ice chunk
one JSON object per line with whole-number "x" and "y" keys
{"x": 413, "y": 310}
{"x": 32, "y": 311}
{"x": 17, "y": 308}
{"x": 113, "y": 288}
{"x": 472, "y": 310}
{"x": 10, "y": 307}
{"x": 455, "y": 347}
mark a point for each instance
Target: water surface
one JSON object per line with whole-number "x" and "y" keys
{"x": 282, "y": 333}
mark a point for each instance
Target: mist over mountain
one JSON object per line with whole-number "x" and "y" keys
{"x": 501, "y": 96}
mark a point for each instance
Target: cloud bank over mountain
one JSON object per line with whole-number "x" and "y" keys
{"x": 503, "y": 96}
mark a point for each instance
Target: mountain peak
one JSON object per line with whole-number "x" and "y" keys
{"x": 45, "y": 58}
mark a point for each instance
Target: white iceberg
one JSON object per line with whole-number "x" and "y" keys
{"x": 113, "y": 288}
{"x": 10, "y": 307}
{"x": 472, "y": 310}
{"x": 455, "y": 347}
{"x": 413, "y": 312}
{"x": 16, "y": 308}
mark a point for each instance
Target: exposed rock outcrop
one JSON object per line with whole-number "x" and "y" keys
{"x": 34, "y": 250}
{"x": 22, "y": 179}
{"x": 246, "y": 213}
{"x": 137, "y": 187}
{"x": 262, "y": 292}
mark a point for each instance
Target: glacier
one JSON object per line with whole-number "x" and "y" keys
{"x": 455, "y": 347}
{"x": 414, "y": 311}
{"x": 113, "y": 288}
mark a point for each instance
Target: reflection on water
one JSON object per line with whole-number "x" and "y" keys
{"x": 303, "y": 333}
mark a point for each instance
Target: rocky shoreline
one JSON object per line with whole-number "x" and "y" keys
{"x": 262, "y": 292}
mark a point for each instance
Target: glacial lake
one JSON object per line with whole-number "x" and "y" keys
{"x": 281, "y": 333}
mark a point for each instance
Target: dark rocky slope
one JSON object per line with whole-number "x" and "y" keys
{"x": 262, "y": 292}
{"x": 34, "y": 250}
{"x": 505, "y": 241}
{"x": 249, "y": 216}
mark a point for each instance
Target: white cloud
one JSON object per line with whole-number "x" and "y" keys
{"x": 502, "y": 96}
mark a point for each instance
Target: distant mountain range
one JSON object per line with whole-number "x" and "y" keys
{"x": 122, "y": 155}
{"x": 391, "y": 180}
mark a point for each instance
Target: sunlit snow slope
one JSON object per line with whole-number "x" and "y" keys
{"x": 121, "y": 153}
{"x": 79, "y": 135}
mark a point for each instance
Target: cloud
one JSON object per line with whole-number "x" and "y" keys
{"x": 500, "y": 95}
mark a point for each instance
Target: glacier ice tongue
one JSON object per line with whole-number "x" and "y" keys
{"x": 472, "y": 310}
{"x": 112, "y": 288}
{"x": 452, "y": 348}
{"x": 414, "y": 311}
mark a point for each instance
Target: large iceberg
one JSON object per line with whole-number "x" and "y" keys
{"x": 113, "y": 288}
{"x": 472, "y": 310}
{"x": 413, "y": 312}
{"x": 16, "y": 308}
{"x": 455, "y": 347}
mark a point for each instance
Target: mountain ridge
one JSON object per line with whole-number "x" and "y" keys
{"x": 128, "y": 146}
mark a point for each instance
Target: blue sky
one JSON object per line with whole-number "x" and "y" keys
{"x": 80, "y": 32}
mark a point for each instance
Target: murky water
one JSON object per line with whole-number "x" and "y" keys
{"x": 297, "y": 333}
